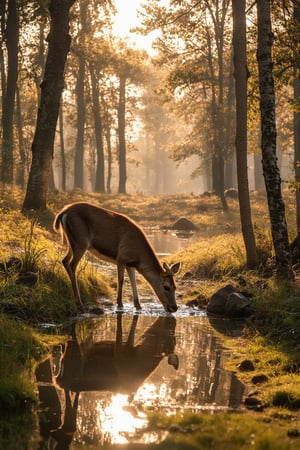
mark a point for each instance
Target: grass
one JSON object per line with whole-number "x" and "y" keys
{"x": 225, "y": 432}
{"x": 217, "y": 259}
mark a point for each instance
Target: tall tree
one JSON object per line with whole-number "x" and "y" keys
{"x": 129, "y": 69}
{"x": 100, "y": 179}
{"x": 80, "y": 98}
{"x": 11, "y": 40}
{"x": 240, "y": 73}
{"x": 59, "y": 41}
{"x": 268, "y": 142}
{"x": 297, "y": 117}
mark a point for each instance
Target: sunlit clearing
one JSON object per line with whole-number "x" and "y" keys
{"x": 119, "y": 423}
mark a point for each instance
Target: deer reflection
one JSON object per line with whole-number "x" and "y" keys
{"x": 107, "y": 365}
{"x": 116, "y": 366}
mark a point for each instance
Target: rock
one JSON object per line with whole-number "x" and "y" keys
{"x": 184, "y": 224}
{"x": 246, "y": 366}
{"x": 217, "y": 303}
{"x": 294, "y": 433}
{"x": 253, "y": 403}
{"x": 229, "y": 303}
{"x": 259, "y": 379}
{"x": 238, "y": 305}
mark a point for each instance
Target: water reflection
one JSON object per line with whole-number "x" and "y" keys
{"x": 97, "y": 388}
{"x": 168, "y": 242}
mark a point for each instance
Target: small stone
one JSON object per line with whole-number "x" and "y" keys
{"x": 253, "y": 403}
{"x": 259, "y": 379}
{"x": 246, "y": 366}
{"x": 294, "y": 433}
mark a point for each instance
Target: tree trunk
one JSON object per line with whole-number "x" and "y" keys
{"x": 12, "y": 41}
{"x": 268, "y": 142}
{"x": 297, "y": 120}
{"x": 109, "y": 159}
{"x": 20, "y": 170}
{"x": 79, "y": 148}
{"x": 51, "y": 89}
{"x": 121, "y": 136}
{"x": 100, "y": 179}
{"x": 240, "y": 74}
{"x": 217, "y": 158}
{"x": 62, "y": 149}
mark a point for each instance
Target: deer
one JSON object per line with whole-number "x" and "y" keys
{"x": 115, "y": 238}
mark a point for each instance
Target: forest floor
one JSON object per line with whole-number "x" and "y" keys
{"x": 216, "y": 259}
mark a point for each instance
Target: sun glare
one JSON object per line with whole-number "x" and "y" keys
{"x": 126, "y": 19}
{"x": 119, "y": 423}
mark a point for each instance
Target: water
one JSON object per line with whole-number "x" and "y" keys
{"x": 97, "y": 388}
{"x": 167, "y": 242}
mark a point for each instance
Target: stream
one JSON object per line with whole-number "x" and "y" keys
{"x": 97, "y": 388}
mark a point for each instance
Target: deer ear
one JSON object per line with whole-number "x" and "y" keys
{"x": 175, "y": 268}
{"x": 166, "y": 266}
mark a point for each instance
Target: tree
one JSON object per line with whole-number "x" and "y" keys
{"x": 100, "y": 179}
{"x": 129, "y": 69}
{"x": 80, "y": 99}
{"x": 296, "y": 32}
{"x": 51, "y": 89}
{"x": 11, "y": 38}
{"x": 297, "y": 115}
{"x": 240, "y": 73}
{"x": 268, "y": 142}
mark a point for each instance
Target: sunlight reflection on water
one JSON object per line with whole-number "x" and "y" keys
{"x": 98, "y": 387}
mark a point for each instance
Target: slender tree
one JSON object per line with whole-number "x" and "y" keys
{"x": 11, "y": 40}
{"x": 51, "y": 89}
{"x": 297, "y": 121}
{"x": 268, "y": 142}
{"x": 100, "y": 179}
{"x": 240, "y": 73}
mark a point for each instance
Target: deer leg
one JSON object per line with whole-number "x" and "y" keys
{"x": 130, "y": 340}
{"x": 121, "y": 270}
{"x": 131, "y": 275}
{"x": 70, "y": 263}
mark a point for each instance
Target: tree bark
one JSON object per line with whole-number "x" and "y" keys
{"x": 100, "y": 179}
{"x": 240, "y": 74}
{"x": 268, "y": 142}
{"x": 51, "y": 89}
{"x": 12, "y": 41}
{"x": 79, "y": 148}
{"x": 20, "y": 170}
{"x": 297, "y": 119}
{"x": 62, "y": 150}
{"x": 121, "y": 136}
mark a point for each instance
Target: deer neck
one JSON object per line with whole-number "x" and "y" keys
{"x": 150, "y": 270}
